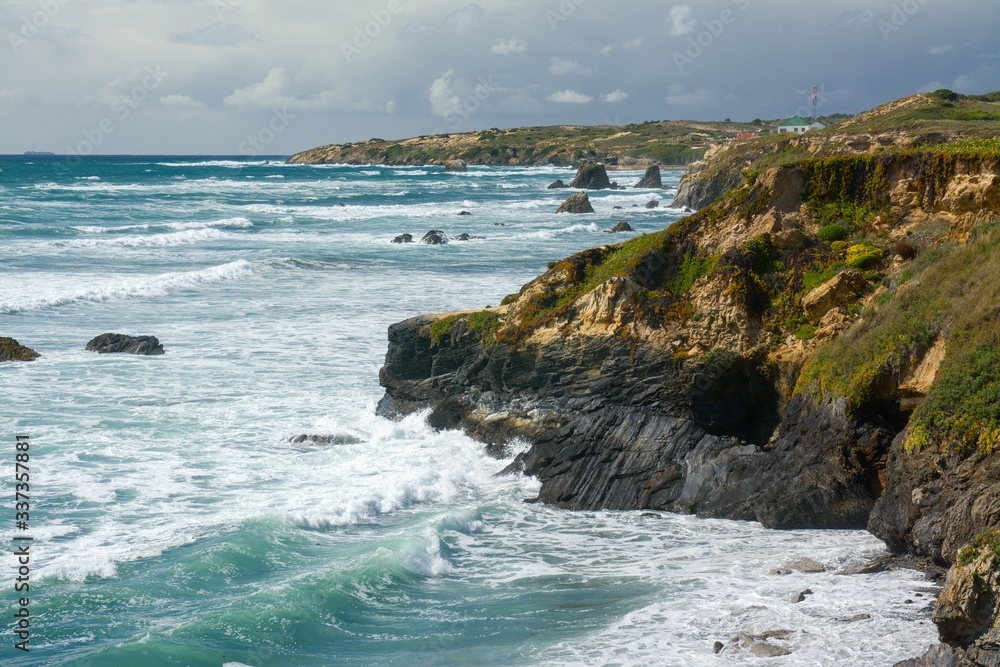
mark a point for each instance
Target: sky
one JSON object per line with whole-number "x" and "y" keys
{"x": 263, "y": 77}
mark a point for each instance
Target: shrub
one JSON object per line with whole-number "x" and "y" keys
{"x": 944, "y": 94}
{"x": 863, "y": 255}
{"x": 904, "y": 250}
{"x": 805, "y": 332}
{"x": 831, "y": 233}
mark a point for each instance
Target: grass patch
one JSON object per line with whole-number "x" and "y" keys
{"x": 805, "y": 332}
{"x": 954, "y": 290}
{"x": 988, "y": 542}
{"x": 692, "y": 268}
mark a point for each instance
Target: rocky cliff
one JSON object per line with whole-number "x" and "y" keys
{"x": 816, "y": 349}
{"x": 922, "y": 120}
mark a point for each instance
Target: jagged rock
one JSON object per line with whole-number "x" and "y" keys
{"x": 651, "y": 179}
{"x": 464, "y": 213}
{"x": 434, "y": 237}
{"x": 653, "y": 204}
{"x": 591, "y": 176}
{"x": 622, "y": 226}
{"x": 941, "y": 655}
{"x": 791, "y": 239}
{"x": 841, "y": 290}
{"x": 558, "y": 185}
{"x": 801, "y": 596}
{"x": 403, "y": 238}
{"x": 11, "y": 350}
{"x": 456, "y": 165}
{"x": 111, "y": 343}
{"x": 616, "y": 208}
{"x": 765, "y": 650}
{"x": 467, "y": 237}
{"x": 578, "y": 203}
{"x": 326, "y": 439}
{"x": 805, "y": 565}
{"x": 717, "y": 647}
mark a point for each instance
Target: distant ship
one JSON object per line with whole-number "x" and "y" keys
{"x": 38, "y": 153}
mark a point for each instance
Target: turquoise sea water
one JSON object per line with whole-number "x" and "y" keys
{"x": 177, "y": 523}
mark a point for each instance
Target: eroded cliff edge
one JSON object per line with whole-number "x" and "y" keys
{"x": 816, "y": 349}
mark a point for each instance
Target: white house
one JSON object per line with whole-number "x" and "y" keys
{"x": 794, "y": 125}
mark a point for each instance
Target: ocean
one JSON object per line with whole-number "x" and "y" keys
{"x": 178, "y": 520}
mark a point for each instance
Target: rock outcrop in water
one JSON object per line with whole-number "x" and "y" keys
{"x": 578, "y": 203}
{"x": 729, "y": 366}
{"x": 591, "y": 176}
{"x": 651, "y": 179}
{"x": 11, "y": 350}
{"x": 112, "y": 343}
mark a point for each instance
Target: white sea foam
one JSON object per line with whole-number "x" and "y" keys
{"x": 237, "y": 222}
{"x": 120, "y": 288}
{"x": 178, "y": 238}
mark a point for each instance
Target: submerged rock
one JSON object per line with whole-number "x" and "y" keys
{"x": 578, "y": 203}
{"x": 464, "y": 213}
{"x": 403, "y": 238}
{"x": 651, "y": 179}
{"x": 468, "y": 237}
{"x": 653, "y": 204}
{"x": 11, "y": 350}
{"x": 434, "y": 237}
{"x": 456, "y": 165}
{"x": 112, "y": 343}
{"x": 558, "y": 185}
{"x": 326, "y": 439}
{"x": 591, "y": 176}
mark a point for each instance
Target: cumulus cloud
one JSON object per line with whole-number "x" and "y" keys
{"x": 570, "y": 97}
{"x": 276, "y": 91}
{"x": 181, "y": 102}
{"x": 633, "y": 44}
{"x": 615, "y": 96}
{"x": 606, "y": 49}
{"x": 444, "y": 101}
{"x": 216, "y": 34}
{"x": 680, "y": 21}
{"x": 505, "y": 47}
{"x": 938, "y": 50}
{"x": 559, "y": 67}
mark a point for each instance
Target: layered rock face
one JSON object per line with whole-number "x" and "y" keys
{"x": 617, "y": 428}
{"x": 591, "y": 176}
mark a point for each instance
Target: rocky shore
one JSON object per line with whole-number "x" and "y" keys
{"x": 791, "y": 354}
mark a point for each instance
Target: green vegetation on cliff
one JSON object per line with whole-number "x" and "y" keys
{"x": 951, "y": 291}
